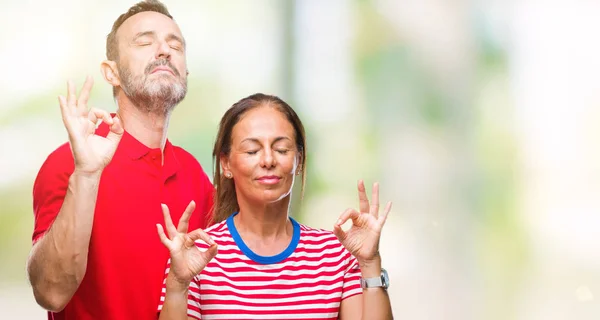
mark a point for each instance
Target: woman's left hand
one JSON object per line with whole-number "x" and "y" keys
{"x": 362, "y": 240}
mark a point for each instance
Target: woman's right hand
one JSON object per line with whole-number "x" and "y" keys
{"x": 186, "y": 259}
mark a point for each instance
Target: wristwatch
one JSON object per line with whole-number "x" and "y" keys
{"x": 382, "y": 281}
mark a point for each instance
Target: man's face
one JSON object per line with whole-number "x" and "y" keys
{"x": 152, "y": 65}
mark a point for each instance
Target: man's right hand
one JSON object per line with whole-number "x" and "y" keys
{"x": 91, "y": 152}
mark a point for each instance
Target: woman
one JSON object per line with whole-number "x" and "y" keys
{"x": 268, "y": 265}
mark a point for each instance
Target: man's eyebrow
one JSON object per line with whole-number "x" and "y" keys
{"x": 142, "y": 34}
{"x": 175, "y": 37}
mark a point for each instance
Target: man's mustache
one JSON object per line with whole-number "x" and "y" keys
{"x": 161, "y": 62}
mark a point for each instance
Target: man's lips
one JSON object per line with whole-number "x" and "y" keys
{"x": 162, "y": 69}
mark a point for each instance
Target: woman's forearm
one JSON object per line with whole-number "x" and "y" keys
{"x": 176, "y": 301}
{"x": 376, "y": 302}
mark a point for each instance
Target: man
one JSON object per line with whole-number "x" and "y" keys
{"x": 97, "y": 199}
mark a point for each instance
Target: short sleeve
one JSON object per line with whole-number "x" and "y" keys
{"x": 50, "y": 189}
{"x": 352, "y": 275}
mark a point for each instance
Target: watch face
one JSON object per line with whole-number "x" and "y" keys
{"x": 385, "y": 279}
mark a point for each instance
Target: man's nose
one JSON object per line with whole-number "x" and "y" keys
{"x": 163, "y": 51}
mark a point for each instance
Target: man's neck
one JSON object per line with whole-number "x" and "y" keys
{"x": 146, "y": 127}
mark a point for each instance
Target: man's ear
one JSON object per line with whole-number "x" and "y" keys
{"x": 110, "y": 72}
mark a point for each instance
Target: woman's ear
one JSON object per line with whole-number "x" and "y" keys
{"x": 224, "y": 160}
{"x": 299, "y": 162}
{"x": 110, "y": 72}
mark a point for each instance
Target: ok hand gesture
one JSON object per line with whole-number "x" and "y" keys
{"x": 91, "y": 152}
{"x": 362, "y": 239}
{"x": 186, "y": 259}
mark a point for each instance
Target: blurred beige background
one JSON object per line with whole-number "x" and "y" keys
{"x": 480, "y": 119}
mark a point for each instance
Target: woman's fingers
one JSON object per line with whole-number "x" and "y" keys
{"x": 163, "y": 237}
{"x": 337, "y": 227}
{"x": 182, "y": 227}
{"x": 199, "y": 234}
{"x": 211, "y": 252}
{"x": 348, "y": 214}
{"x": 363, "y": 201}
{"x": 374, "y": 209}
{"x": 339, "y": 232}
{"x": 168, "y": 222}
{"x": 385, "y": 213}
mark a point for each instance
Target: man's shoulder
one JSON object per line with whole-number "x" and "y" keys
{"x": 186, "y": 158}
{"x": 182, "y": 153}
{"x": 61, "y": 157}
{"x": 55, "y": 170}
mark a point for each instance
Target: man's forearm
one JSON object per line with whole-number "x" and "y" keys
{"x": 58, "y": 260}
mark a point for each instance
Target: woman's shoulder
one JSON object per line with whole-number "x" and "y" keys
{"x": 218, "y": 227}
{"x": 316, "y": 234}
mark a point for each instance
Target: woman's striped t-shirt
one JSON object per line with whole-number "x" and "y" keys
{"x": 308, "y": 280}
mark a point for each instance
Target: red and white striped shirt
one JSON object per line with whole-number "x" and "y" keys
{"x": 308, "y": 280}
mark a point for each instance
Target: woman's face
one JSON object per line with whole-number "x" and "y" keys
{"x": 263, "y": 159}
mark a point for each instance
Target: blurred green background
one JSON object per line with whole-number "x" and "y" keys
{"x": 478, "y": 118}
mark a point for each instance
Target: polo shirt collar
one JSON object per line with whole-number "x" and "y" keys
{"x": 171, "y": 163}
{"x": 137, "y": 150}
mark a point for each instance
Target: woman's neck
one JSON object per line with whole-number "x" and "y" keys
{"x": 266, "y": 230}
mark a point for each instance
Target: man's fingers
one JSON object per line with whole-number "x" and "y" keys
{"x": 95, "y": 114}
{"x": 374, "y": 209}
{"x": 65, "y": 112}
{"x": 168, "y": 222}
{"x": 63, "y": 106}
{"x": 85, "y": 91}
{"x": 182, "y": 227}
{"x": 71, "y": 94}
{"x": 363, "y": 201}
{"x": 116, "y": 131}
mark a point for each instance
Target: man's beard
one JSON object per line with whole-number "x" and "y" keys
{"x": 153, "y": 95}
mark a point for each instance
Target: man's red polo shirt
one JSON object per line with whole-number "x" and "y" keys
{"x": 126, "y": 260}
